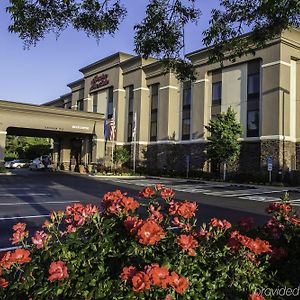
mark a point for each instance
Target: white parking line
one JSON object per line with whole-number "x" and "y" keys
{"x": 34, "y": 203}
{"x": 15, "y": 188}
{"x": 24, "y": 195}
{"x": 261, "y": 198}
{"x": 242, "y": 193}
{"x": 24, "y": 217}
{"x": 9, "y": 248}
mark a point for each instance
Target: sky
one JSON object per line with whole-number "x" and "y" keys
{"x": 40, "y": 74}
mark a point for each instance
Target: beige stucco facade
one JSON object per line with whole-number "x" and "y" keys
{"x": 263, "y": 89}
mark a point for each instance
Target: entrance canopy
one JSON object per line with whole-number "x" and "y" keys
{"x": 45, "y": 121}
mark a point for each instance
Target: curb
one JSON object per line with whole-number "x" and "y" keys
{"x": 7, "y": 174}
{"x": 102, "y": 176}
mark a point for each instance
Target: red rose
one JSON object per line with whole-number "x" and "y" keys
{"x": 129, "y": 204}
{"x": 167, "y": 194}
{"x": 3, "y": 283}
{"x": 5, "y": 260}
{"x": 295, "y": 221}
{"x": 184, "y": 209}
{"x": 159, "y": 275}
{"x": 187, "y": 243}
{"x": 20, "y": 256}
{"x": 19, "y": 227}
{"x": 155, "y": 215}
{"x": 58, "y": 271}
{"x": 255, "y": 296}
{"x": 39, "y": 239}
{"x": 150, "y": 233}
{"x": 128, "y": 273}
{"x": 147, "y": 192}
{"x": 222, "y": 224}
{"x": 140, "y": 282}
{"x": 132, "y": 224}
{"x": 179, "y": 284}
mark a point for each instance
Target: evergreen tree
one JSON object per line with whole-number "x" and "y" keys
{"x": 223, "y": 146}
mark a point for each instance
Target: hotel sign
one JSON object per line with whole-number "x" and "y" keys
{"x": 99, "y": 81}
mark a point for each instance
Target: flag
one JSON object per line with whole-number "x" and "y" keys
{"x": 134, "y": 127}
{"x": 106, "y": 130}
{"x": 112, "y": 129}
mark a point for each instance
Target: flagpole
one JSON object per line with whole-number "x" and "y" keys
{"x": 113, "y": 141}
{"x": 134, "y": 143}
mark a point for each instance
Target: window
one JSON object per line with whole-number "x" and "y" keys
{"x": 130, "y": 112}
{"x": 216, "y": 93}
{"x": 95, "y": 103}
{"x": 253, "y": 123}
{"x": 110, "y": 103}
{"x": 186, "y": 111}
{"x": 154, "y": 113}
{"x": 253, "y": 85}
{"x": 68, "y": 105}
{"x": 80, "y": 105}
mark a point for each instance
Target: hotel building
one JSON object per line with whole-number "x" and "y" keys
{"x": 263, "y": 89}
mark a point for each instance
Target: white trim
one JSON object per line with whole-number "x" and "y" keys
{"x": 281, "y": 62}
{"x": 75, "y": 105}
{"x": 201, "y": 140}
{"x": 119, "y": 90}
{"x": 3, "y": 132}
{"x": 201, "y": 80}
{"x": 270, "y": 137}
{"x": 162, "y": 142}
{"x": 168, "y": 87}
{"x": 141, "y": 88}
{"x": 249, "y": 139}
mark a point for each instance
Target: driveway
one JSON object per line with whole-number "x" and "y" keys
{"x": 30, "y": 197}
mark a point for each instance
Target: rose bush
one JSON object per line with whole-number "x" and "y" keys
{"x": 147, "y": 248}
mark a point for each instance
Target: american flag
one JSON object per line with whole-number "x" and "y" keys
{"x": 134, "y": 128}
{"x": 112, "y": 129}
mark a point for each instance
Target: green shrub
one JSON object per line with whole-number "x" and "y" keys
{"x": 121, "y": 156}
{"x": 2, "y": 169}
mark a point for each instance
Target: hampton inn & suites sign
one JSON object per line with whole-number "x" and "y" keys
{"x": 99, "y": 81}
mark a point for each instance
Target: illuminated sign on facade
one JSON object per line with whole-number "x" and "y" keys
{"x": 99, "y": 81}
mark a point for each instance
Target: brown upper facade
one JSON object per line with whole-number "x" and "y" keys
{"x": 263, "y": 89}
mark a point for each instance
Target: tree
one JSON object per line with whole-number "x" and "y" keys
{"x": 26, "y": 147}
{"x": 223, "y": 145}
{"x": 161, "y": 33}
{"x": 121, "y": 156}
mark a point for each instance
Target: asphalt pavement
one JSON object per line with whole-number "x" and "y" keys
{"x": 29, "y": 196}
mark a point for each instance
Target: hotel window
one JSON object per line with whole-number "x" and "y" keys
{"x": 216, "y": 93}
{"x": 186, "y": 111}
{"x": 130, "y": 112}
{"x": 110, "y": 108}
{"x": 80, "y": 104}
{"x": 253, "y": 98}
{"x": 253, "y": 123}
{"x": 154, "y": 112}
{"x": 95, "y": 100}
{"x": 253, "y": 85}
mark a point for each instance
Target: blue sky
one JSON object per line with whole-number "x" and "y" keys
{"x": 41, "y": 73}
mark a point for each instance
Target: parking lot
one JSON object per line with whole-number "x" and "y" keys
{"x": 29, "y": 196}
